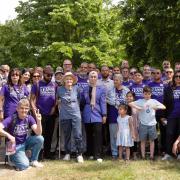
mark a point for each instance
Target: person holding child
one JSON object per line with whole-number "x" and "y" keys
{"x": 147, "y": 126}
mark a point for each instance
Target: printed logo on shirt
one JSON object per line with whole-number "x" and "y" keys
{"x": 47, "y": 91}
{"x": 157, "y": 91}
{"x": 138, "y": 91}
{"x": 176, "y": 94}
{"x": 21, "y": 129}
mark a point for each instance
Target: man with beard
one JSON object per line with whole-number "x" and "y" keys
{"x": 43, "y": 97}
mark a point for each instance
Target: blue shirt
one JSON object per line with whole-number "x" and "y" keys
{"x": 69, "y": 103}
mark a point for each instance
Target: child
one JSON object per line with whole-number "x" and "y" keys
{"x": 146, "y": 115}
{"x": 125, "y": 133}
{"x": 130, "y": 97}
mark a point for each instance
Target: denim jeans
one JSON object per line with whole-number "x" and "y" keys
{"x": 33, "y": 143}
{"x": 113, "y": 137}
{"x": 69, "y": 126}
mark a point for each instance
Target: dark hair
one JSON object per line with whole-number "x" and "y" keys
{"x": 12, "y": 71}
{"x": 138, "y": 72}
{"x": 132, "y": 93}
{"x": 147, "y": 89}
{"x": 124, "y": 106}
{"x": 173, "y": 83}
{"x": 23, "y": 72}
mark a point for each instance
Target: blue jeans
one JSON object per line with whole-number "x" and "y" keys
{"x": 113, "y": 136}
{"x": 33, "y": 143}
{"x": 69, "y": 126}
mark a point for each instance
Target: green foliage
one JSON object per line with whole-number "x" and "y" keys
{"x": 151, "y": 30}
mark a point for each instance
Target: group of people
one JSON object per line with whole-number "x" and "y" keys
{"x": 90, "y": 111}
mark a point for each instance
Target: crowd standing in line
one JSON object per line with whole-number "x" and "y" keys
{"x": 90, "y": 112}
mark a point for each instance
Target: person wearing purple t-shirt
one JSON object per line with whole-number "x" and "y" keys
{"x": 137, "y": 86}
{"x": 15, "y": 128}
{"x": 172, "y": 101}
{"x": 11, "y": 93}
{"x": 43, "y": 97}
{"x": 146, "y": 74}
{"x": 126, "y": 81}
{"x": 157, "y": 87}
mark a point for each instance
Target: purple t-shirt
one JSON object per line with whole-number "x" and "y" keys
{"x": 20, "y": 129}
{"x": 157, "y": 91}
{"x": 46, "y": 96}
{"x": 112, "y": 110}
{"x": 146, "y": 81}
{"x": 82, "y": 83}
{"x": 128, "y": 83}
{"x": 138, "y": 90}
{"x": 176, "y": 111}
{"x": 12, "y": 95}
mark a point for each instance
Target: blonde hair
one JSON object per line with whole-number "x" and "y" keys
{"x": 24, "y": 102}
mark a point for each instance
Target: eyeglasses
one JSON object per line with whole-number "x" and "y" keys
{"x": 177, "y": 76}
{"x": 49, "y": 75}
{"x": 36, "y": 76}
{"x": 133, "y": 72}
{"x": 156, "y": 73}
{"x": 14, "y": 74}
{"x": 67, "y": 64}
{"x": 84, "y": 67}
{"x": 166, "y": 64}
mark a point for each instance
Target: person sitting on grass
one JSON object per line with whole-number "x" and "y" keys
{"x": 16, "y": 131}
{"x": 147, "y": 126}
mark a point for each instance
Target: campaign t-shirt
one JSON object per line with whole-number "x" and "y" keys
{"x": 138, "y": 90}
{"x": 82, "y": 83}
{"x": 176, "y": 110}
{"x": 128, "y": 83}
{"x": 20, "y": 129}
{"x": 147, "y": 114}
{"x": 46, "y": 96}
{"x": 12, "y": 95}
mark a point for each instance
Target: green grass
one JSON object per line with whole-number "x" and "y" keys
{"x": 108, "y": 170}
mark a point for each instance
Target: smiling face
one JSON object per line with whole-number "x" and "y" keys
{"x": 26, "y": 76}
{"x": 15, "y": 76}
{"x": 177, "y": 78}
{"x": 68, "y": 81}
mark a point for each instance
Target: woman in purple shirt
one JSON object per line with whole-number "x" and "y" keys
{"x": 11, "y": 93}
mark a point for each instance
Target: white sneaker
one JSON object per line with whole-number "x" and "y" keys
{"x": 80, "y": 159}
{"x": 166, "y": 157}
{"x": 178, "y": 157}
{"x": 99, "y": 160}
{"x": 36, "y": 164}
{"x": 91, "y": 157}
{"x": 66, "y": 157}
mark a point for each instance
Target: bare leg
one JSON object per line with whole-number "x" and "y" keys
{"x": 151, "y": 149}
{"x": 143, "y": 148}
{"x": 127, "y": 153}
{"x": 120, "y": 152}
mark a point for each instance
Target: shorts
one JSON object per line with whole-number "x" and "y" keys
{"x": 147, "y": 132}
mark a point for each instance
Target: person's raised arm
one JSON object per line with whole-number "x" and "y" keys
{"x": 37, "y": 128}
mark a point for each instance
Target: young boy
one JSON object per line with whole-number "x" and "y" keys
{"x": 147, "y": 127}
{"x": 16, "y": 131}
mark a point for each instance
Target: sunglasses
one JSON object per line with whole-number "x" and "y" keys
{"x": 177, "y": 76}
{"x": 132, "y": 73}
{"x": 49, "y": 75}
{"x": 14, "y": 74}
{"x": 36, "y": 76}
{"x": 156, "y": 73}
{"x": 67, "y": 64}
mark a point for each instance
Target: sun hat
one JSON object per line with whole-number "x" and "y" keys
{"x": 69, "y": 74}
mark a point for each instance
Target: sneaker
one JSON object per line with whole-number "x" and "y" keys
{"x": 99, "y": 160}
{"x": 91, "y": 157}
{"x": 178, "y": 157}
{"x": 66, "y": 157}
{"x": 166, "y": 157}
{"x": 36, "y": 164}
{"x": 80, "y": 159}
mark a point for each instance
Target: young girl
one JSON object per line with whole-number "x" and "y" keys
{"x": 125, "y": 132}
{"x": 130, "y": 97}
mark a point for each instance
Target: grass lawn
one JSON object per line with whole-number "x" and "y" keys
{"x": 140, "y": 170}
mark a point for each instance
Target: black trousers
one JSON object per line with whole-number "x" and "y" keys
{"x": 94, "y": 139}
{"x": 48, "y": 122}
{"x": 172, "y": 132}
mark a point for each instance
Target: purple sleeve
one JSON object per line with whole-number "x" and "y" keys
{"x": 26, "y": 92}
{"x": 31, "y": 120}
{"x": 3, "y": 90}
{"x": 34, "y": 89}
{"x": 6, "y": 122}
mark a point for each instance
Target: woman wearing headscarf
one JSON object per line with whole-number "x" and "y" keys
{"x": 93, "y": 103}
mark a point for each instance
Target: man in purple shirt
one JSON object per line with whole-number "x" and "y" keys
{"x": 146, "y": 74}
{"x": 43, "y": 97}
{"x": 16, "y": 132}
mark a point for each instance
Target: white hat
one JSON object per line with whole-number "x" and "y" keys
{"x": 70, "y": 74}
